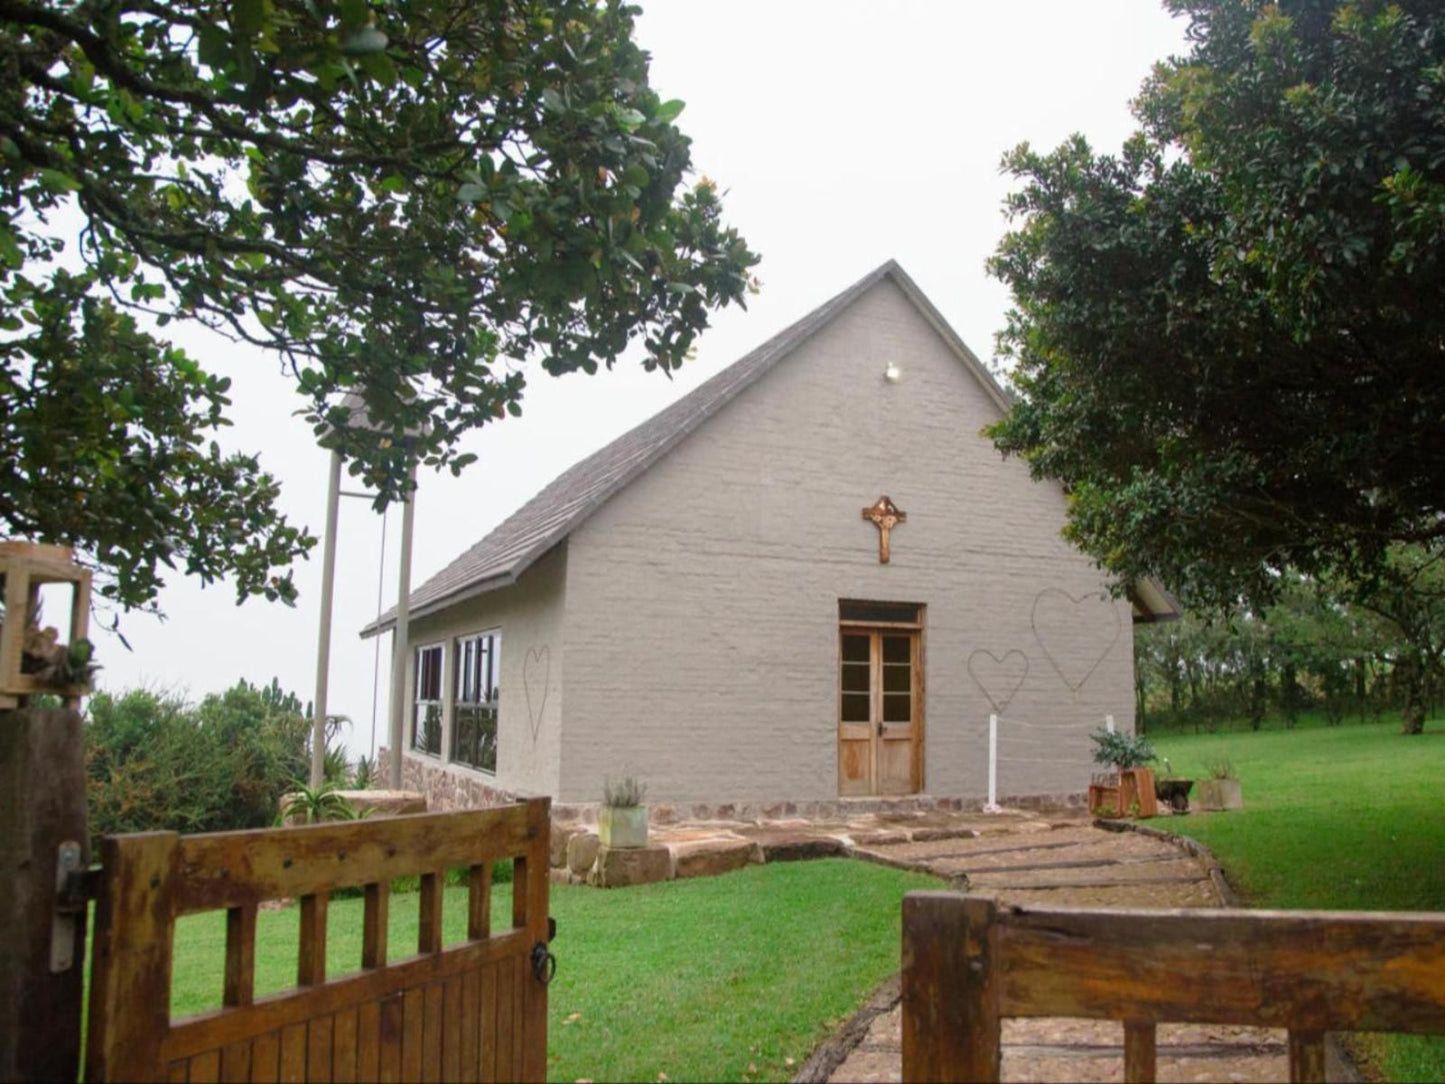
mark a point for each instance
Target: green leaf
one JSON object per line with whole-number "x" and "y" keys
{"x": 668, "y": 112}
{"x": 471, "y": 193}
{"x": 214, "y": 48}
{"x": 248, "y": 16}
{"x": 354, "y": 13}
{"x": 57, "y": 181}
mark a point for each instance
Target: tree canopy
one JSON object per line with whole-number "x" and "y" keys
{"x": 406, "y": 200}
{"x": 1228, "y": 338}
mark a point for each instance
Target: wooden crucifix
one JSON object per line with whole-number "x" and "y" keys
{"x": 885, "y": 516}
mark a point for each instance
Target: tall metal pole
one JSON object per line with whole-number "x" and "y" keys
{"x": 399, "y": 636}
{"x": 323, "y": 636}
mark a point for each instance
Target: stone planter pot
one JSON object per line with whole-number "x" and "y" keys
{"x": 622, "y": 827}
{"x": 1220, "y": 794}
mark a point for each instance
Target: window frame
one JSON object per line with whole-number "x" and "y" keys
{"x": 460, "y": 675}
{"x": 417, "y": 702}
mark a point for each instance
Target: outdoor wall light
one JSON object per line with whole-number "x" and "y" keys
{"x": 892, "y": 373}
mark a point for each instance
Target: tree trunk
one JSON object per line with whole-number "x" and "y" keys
{"x": 1412, "y": 677}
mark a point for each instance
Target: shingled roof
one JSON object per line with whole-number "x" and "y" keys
{"x": 559, "y": 509}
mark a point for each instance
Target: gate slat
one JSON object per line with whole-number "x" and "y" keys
{"x": 240, "y": 981}
{"x": 311, "y": 957}
{"x": 502, "y": 1036}
{"x": 521, "y": 982}
{"x": 393, "y": 1025}
{"x": 204, "y": 1068}
{"x": 373, "y": 925}
{"x": 176, "y": 1074}
{"x": 470, "y": 1011}
{"x": 431, "y": 1034}
{"x": 368, "y": 1041}
{"x": 318, "y": 1049}
{"x": 413, "y": 1016}
{"x": 343, "y": 1047}
{"x": 293, "y": 1052}
{"x": 265, "y": 1054}
{"x": 236, "y": 1063}
{"x": 1139, "y": 1052}
{"x": 1306, "y": 1057}
{"x": 487, "y": 1025}
{"x": 429, "y": 928}
{"x": 452, "y": 1029}
{"x": 479, "y": 902}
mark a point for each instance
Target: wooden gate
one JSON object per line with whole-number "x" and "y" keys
{"x": 968, "y": 962}
{"x": 476, "y": 1010}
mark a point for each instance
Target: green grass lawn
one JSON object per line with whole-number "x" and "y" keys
{"x": 723, "y": 978}
{"x": 1337, "y": 818}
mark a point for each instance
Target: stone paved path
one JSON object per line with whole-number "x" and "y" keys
{"x": 1032, "y": 860}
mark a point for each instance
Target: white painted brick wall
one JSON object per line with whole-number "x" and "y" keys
{"x": 702, "y": 601}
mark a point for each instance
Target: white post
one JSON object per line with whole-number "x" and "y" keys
{"x": 992, "y": 805}
{"x": 323, "y": 636}
{"x": 399, "y": 636}
{"x": 1109, "y": 723}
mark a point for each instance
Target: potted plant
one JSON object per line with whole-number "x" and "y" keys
{"x": 1127, "y": 753}
{"x": 1221, "y": 790}
{"x": 1172, "y": 789}
{"x": 622, "y": 820}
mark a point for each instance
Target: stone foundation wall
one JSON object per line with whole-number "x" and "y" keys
{"x": 820, "y": 810}
{"x": 449, "y": 788}
{"x": 446, "y": 788}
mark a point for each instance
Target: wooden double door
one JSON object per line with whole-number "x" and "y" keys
{"x": 880, "y": 711}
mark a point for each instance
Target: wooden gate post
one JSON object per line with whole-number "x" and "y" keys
{"x": 950, "y": 988}
{"x": 42, "y": 806}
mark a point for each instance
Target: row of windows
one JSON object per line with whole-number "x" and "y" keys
{"x": 476, "y": 693}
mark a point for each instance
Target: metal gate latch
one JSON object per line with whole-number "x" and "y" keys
{"x": 544, "y": 964}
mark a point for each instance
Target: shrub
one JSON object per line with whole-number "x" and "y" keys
{"x": 155, "y": 762}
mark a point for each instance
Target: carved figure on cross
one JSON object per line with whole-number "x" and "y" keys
{"x": 885, "y": 515}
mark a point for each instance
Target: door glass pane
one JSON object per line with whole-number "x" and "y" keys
{"x": 855, "y": 649}
{"x": 855, "y": 707}
{"x": 895, "y": 649}
{"x": 855, "y": 677}
{"x": 897, "y": 679}
{"x": 897, "y": 708}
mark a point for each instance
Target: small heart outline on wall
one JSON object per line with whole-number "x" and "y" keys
{"x": 984, "y": 682}
{"x": 536, "y": 657}
{"x": 1052, "y": 600}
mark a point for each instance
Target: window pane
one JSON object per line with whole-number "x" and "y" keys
{"x": 897, "y": 708}
{"x": 896, "y": 649}
{"x": 474, "y": 740}
{"x": 855, "y": 677}
{"x": 855, "y": 707}
{"x": 427, "y": 728}
{"x": 885, "y": 612}
{"x": 855, "y": 649}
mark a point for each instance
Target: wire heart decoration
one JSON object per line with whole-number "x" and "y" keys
{"x": 985, "y": 676}
{"x": 1056, "y": 621}
{"x": 534, "y": 660}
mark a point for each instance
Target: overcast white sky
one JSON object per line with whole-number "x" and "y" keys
{"x": 843, "y": 134}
